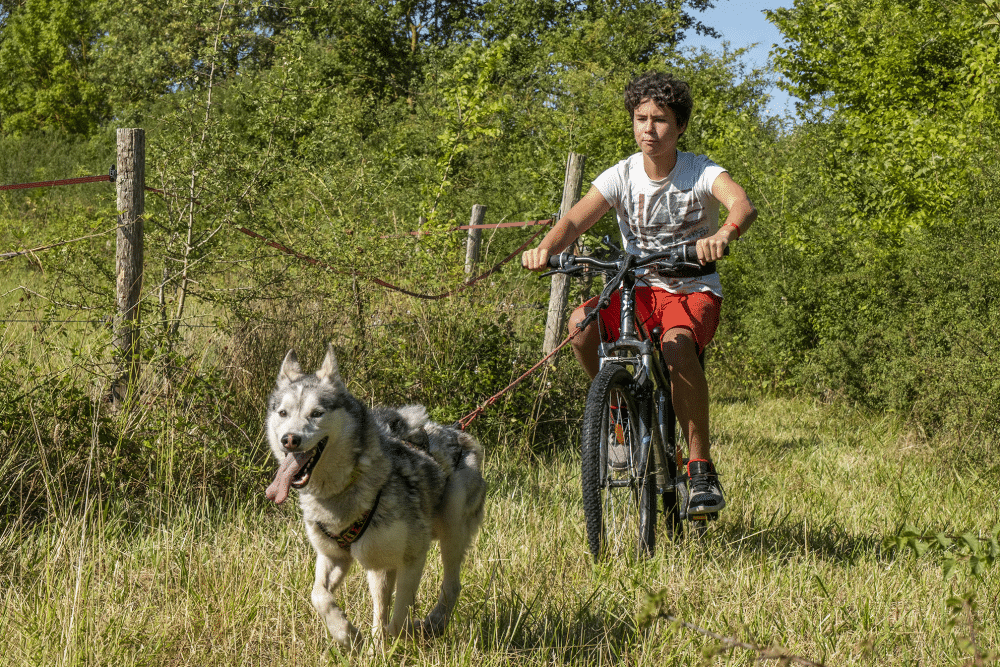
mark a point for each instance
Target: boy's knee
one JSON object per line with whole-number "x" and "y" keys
{"x": 679, "y": 349}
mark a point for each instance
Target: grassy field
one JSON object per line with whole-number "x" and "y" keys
{"x": 796, "y": 561}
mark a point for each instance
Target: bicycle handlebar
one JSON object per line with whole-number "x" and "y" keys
{"x": 679, "y": 262}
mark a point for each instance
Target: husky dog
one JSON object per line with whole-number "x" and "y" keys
{"x": 376, "y": 486}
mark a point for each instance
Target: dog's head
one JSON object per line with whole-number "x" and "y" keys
{"x": 304, "y": 413}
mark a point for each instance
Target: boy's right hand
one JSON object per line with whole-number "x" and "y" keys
{"x": 536, "y": 259}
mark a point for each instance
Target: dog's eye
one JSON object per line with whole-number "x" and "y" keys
{"x": 317, "y": 413}
{"x": 282, "y": 413}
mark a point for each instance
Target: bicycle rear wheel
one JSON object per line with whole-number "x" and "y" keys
{"x": 617, "y": 476}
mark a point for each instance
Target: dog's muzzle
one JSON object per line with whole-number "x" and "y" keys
{"x": 294, "y": 471}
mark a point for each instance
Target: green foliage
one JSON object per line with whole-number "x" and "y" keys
{"x": 470, "y": 116}
{"x": 992, "y": 22}
{"x": 908, "y": 326}
{"x": 47, "y": 65}
{"x": 31, "y": 217}
{"x": 909, "y": 97}
{"x": 152, "y": 49}
{"x": 976, "y": 553}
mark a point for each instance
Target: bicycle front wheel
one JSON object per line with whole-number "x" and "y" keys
{"x": 619, "y": 484}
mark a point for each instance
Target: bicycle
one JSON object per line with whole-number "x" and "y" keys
{"x": 630, "y": 453}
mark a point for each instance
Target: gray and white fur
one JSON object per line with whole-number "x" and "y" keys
{"x": 424, "y": 481}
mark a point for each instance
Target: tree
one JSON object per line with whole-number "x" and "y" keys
{"x": 47, "y": 64}
{"x": 907, "y": 91}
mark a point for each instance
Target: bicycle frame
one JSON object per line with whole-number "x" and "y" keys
{"x": 642, "y": 357}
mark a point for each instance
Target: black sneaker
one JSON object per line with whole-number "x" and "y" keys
{"x": 706, "y": 491}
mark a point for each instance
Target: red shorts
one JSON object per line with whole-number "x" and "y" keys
{"x": 697, "y": 312}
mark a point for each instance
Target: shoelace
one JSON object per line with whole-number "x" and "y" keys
{"x": 701, "y": 484}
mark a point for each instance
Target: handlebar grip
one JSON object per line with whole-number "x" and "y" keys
{"x": 562, "y": 260}
{"x": 689, "y": 253}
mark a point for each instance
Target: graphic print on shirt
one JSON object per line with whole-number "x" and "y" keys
{"x": 659, "y": 228}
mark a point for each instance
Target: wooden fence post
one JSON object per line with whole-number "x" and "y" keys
{"x": 474, "y": 241}
{"x": 130, "y": 182}
{"x": 559, "y": 290}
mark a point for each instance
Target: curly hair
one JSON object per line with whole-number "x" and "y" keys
{"x": 664, "y": 89}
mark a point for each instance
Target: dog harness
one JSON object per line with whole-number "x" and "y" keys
{"x": 353, "y": 532}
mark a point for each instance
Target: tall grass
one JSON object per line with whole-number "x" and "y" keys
{"x": 219, "y": 576}
{"x": 141, "y": 536}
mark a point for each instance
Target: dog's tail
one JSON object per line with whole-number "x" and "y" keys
{"x": 453, "y": 449}
{"x": 472, "y": 453}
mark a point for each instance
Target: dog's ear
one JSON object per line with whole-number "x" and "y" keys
{"x": 328, "y": 371}
{"x": 290, "y": 370}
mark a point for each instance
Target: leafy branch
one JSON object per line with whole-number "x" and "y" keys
{"x": 993, "y": 9}
{"x": 969, "y": 548}
{"x": 978, "y": 553}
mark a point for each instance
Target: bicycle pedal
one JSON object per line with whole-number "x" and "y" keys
{"x": 710, "y": 516}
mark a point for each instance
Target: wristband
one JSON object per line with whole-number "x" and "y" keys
{"x": 739, "y": 232}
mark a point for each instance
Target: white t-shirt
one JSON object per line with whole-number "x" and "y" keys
{"x": 655, "y": 215}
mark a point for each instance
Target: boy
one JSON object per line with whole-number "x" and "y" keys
{"x": 663, "y": 197}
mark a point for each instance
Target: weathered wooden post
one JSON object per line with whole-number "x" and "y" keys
{"x": 130, "y": 182}
{"x": 474, "y": 241}
{"x": 559, "y": 290}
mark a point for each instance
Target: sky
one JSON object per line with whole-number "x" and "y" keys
{"x": 742, "y": 23}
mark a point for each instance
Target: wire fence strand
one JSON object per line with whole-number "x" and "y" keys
{"x": 64, "y": 181}
{"x": 378, "y": 281}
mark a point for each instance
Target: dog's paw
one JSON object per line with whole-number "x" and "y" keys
{"x": 434, "y": 625}
{"x": 349, "y": 639}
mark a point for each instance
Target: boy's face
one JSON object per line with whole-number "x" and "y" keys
{"x": 656, "y": 130}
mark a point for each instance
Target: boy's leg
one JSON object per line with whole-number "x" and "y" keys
{"x": 690, "y": 395}
{"x": 586, "y": 343}
{"x": 689, "y": 389}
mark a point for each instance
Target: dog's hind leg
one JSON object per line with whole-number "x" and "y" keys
{"x": 407, "y": 583}
{"x": 452, "y": 553}
{"x": 456, "y": 526}
{"x": 330, "y": 574}
{"x": 381, "y": 584}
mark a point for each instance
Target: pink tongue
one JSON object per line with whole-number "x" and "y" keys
{"x": 290, "y": 466}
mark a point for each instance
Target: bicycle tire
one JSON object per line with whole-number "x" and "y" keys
{"x": 619, "y": 501}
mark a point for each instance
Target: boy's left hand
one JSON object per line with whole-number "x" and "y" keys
{"x": 714, "y": 247}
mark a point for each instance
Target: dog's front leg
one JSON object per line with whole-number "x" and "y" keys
{"x": 330, "y": 573}
{"x": 407, "y": 583}
{"x": 381, "y": 583}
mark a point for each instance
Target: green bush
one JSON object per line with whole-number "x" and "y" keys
{"x": 908, "y": 327}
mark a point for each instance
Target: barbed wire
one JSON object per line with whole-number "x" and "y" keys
{"x": 378, "y": 281}
{"x": 285, "y": 249}
{"x": 65, "y": 181}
